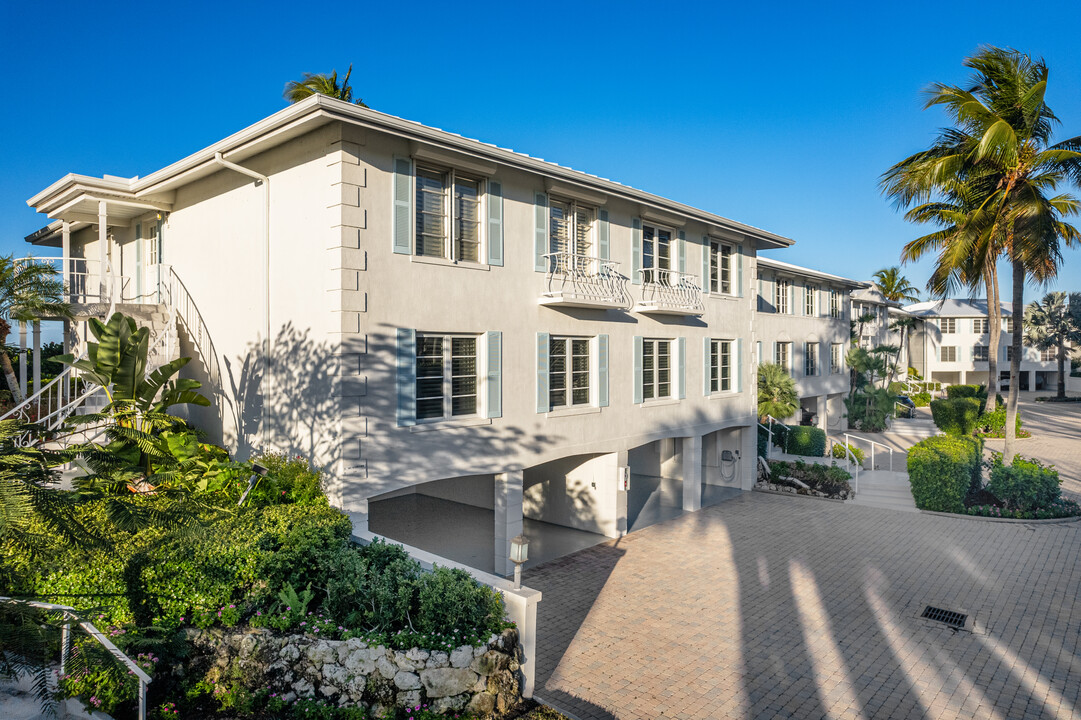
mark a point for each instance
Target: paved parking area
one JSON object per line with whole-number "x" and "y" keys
{"x": 774, "y": 607}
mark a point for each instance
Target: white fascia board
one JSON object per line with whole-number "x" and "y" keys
{"x": 807, "y": 272}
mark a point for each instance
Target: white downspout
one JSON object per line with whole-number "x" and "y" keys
{"x": 219, "y": 158}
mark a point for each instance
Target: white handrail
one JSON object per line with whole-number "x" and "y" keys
{"x": 69, "y": 615}
{"x": 873, "y": 444}
{"x": 853, "y": 467}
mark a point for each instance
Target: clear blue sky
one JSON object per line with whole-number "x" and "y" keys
{"x": 781, "y": 115}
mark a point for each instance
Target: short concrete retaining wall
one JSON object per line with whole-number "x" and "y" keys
{"x": 349, "y": 673}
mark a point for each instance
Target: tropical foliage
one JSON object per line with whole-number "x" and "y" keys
{"x": 895, "y": 286}
{"x": 1053, "y": 324}
{"x": 322, "y": 84}
{"x": 776, "y": 392}
{"x": 28, "y": 291}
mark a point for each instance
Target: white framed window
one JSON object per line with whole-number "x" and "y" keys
{"x": 570, "y": 227}
{"x": 835, "y": 304}
{"x": 947, "y": 325}
{"x": 780, "y": 295}
{"x": 837, "y": 358}
{"x": 810, "y": 305}
{"x": 1008, "y": 323}
{"x": 720, "y": 267}
{"x": 782, "y": 355}
{"x": 568, "y": 372}
{"x": 947, "y": 353}
{"x": 446, "y": 380}
{"x": 810, "y": 359}
{"x": 979, "y": 326}
{"x": 979, "y": 353}
{"x": 1009, "y": 353}
{"x": 656, "y": 252}
{"x": 1049, "y": 355}
{"x": 448, "y": 214}
{"x": 720, "y": 366}
{"x": 656, "y": 368}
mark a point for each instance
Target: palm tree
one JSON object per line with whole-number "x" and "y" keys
{"x": 1053, "y": 324}
{"x": 902, "y": 325}
{"x": 322, "y": 84}
{"x": 999, "y": 157}
{"x": 28, "y": 291}
{"x": 895, "y": 286}
{"x": 776, "y": 392}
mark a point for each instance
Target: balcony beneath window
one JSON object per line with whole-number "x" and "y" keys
{"x": 580, "y": 281}
{"x": 669, "y": 292}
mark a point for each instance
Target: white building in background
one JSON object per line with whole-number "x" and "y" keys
{"x": 802, "y": 324}
{"x": 469, "y": 340}
{"x": 951, "y": 345}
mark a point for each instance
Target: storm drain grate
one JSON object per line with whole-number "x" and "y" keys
{"x": 953, "y": 619}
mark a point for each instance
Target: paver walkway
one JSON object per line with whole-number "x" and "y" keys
{"x": 773, "y": 607}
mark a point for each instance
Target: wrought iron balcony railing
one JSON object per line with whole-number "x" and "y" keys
{"x": 575, "y": 280}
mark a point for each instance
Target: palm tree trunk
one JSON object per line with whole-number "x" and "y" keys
{"x": 5, "y": 362}
{"x": 994, "y": 327}
{"x": 1061, "y": 370}
{"x": 1015, "y": 361}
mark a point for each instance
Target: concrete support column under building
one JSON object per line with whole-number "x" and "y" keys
{"x": 623, "y": 469}
{"x": 508, "y": 517}
{"x": 823, "y": 411}
{"x": 692, "y": 473}
{"x": 748, "y": 456}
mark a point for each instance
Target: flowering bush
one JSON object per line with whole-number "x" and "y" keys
{"x": 99, "y": 680}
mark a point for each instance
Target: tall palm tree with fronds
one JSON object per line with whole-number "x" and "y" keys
{"x": 28, "y": 291}
{"x": 1053, "y": 324}
{"x": 895, "y": 286}
{"x": 322, "y": 84}
{"x": 1000, "y": 152}
{"x": 777, "y": 395}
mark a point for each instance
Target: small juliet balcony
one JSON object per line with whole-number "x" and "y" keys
{"x": 581, "y": 281}
{"x": 669, "y": 292}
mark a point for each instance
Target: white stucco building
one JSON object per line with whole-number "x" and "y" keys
{"x": 437, "y": 320}
{"x": 802, "y": 323}
{"x": 951, "y": 345}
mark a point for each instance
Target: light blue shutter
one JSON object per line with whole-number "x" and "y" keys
{"x": 705, "y": 366}
{"x": 705, "y": 263}
{"x": 540, "y": 234}
{"x": 603, "y": 250}
{"x": 495, "y": 374}
{"x": 637, "y": 369}
{"x": 739, "y": 270}
{"x": 495, "y": 223}
{"x": 403, "y": 201}
{"x": 739, "y": 364}
{"x": 407, "y": 377}
{"x": 636, "y": 258}
{"x": 602, "y": 370}
{"x": 681, "y": 368}
{"x": 682, "y": 250}
{"x": 543, "y": 400}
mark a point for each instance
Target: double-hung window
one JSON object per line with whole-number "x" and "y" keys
{"x": 835, "y": 304}
{"x": 1009, "y": 324}
{"x": 948, "y": 325}
{"x": 656, "y": 254}
{"x": 448, "y": 215}
{"x": 979, "y": 326}
{"x": 780, "y": 299}
{"x": 979, "y": 353}
{"x": 782, "y": 355}
{"x": 656, "y": 369}
{"x": 811, "y": 303}
{"x": 446, "y": 376}
{"x": 947, "y": 353}
{"x": 720, "y": 366}
{"x": 837, "y": 358}
{"x": 720, "y": 267}
{"x": 810, "y": 359}
{"x": 568, "y": 372}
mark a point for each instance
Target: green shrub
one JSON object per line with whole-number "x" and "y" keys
{"x": 993, "y": 424}
{"x": 957, "y": 416}
{"x": 921, "y": 399}
{"x": 806, "y": 440}
{"x": 965, "y": 391}
{"x": 451, "y": 599}
{"x": 763, "y": 442}
{"x": 1026, "y": 485}
{"x": 290, "y": 480}
{"x": 942, "y": 470}
{"x": 839, "y": 452}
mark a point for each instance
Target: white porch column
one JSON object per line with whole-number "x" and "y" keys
{"x": 823, "y": 403}
{"x": 508, "y": 517}
{"x": 103, "y": 249}
{"x": 692, "y": 473}
{"x": 37, "y": 355}
{"x": 22, "y": 357}
{"x": 65, "y": 276}
{"x": 622, "y": 460}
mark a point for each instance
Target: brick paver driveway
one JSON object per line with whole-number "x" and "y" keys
{"x": 768, "y": 606}
{"x": 1056, "y": 437}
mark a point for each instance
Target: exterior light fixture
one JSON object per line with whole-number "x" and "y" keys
{"x": 519, "y": 554}
{"x": 258, "y": 473}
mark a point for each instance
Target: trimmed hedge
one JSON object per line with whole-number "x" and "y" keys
{"x": 922, "y": 399}
{"x": 839, "y": 452}
{"x": 958, "y": 416}
{"x": 1026, "y": 485}
{"x": 942, "y": 470}
{"x": 965, "y": 391}
{"x": 806, "y": 440}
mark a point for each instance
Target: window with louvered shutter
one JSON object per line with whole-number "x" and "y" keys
{"x": 446, "y": 380}
{"x": 656, "y": 252}
{"x": 656, "y": 369}
{"x": 568, "y": 372}
{"x": 720, "y": 366}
